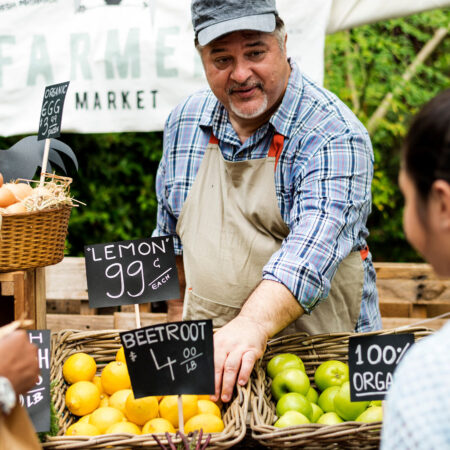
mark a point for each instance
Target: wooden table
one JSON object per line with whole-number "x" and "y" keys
{"x": 22, "y": 294}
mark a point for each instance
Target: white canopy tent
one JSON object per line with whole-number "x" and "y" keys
{"x": 130, "y": 63}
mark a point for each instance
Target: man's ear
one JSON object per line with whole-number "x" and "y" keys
{"x": 440, "y": 195}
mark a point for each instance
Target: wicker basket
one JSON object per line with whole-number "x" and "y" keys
{"x": 103, "y": 345}
{"x": 33, "y": 239}
{"x": 313, "y": 350}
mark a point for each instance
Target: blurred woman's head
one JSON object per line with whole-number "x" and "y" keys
{"x": 425, "y": 182}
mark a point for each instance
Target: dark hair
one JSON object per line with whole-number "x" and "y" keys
{"x": 426, "y": 150}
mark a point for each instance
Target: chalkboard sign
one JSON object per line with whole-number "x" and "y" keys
{"x": 37, "y": 399}
{"x": 170, "y": 358}
{"x": 130, "y": 272}
{"x": 372, "y": 361}
{"x": 51, "y": 111}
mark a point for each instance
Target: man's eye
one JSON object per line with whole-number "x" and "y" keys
{"x": 256, "y": 53}
{"x": 221, "y": 62}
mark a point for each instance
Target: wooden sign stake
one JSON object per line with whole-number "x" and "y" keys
{"x": 180, "y": 414}
{"x": 138, "y": 317}
{"x": 44, "y": 161}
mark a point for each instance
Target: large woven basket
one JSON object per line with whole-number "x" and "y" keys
{"x": 103, "y": 345}
{"x": 313, "y": 350}
{"x": 33, "y": 239}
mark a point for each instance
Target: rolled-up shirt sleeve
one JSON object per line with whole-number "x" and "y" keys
{"x": 166, "y": 221}
{"x": 331, "y": 202}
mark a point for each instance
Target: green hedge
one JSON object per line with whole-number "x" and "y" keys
{"x": 117, "y": 172}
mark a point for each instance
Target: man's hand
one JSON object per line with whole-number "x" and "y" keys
{"x": 19, "y": 361}
{"x": 242, "y": 341}
{"x": 237, "y": 346}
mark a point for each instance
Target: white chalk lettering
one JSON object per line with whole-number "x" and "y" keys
{"x": 128, "y": 340}
{"x": 108, "y": 251}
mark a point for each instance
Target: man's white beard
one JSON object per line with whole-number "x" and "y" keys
{"x": 253, "y": 114}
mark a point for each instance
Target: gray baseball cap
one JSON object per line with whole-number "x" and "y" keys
{"x": 214, "y": 18}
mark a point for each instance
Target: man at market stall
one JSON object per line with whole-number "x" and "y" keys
{"x": 265, "y": 183}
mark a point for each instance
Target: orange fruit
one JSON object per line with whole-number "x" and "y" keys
{"x": 82, "y": 398}
{"x": 158, "y": 425}
{"x": 210, "y": 423}
{"x": 79, "y": 367}
{"x": 104, "y": 417}
{"x": 141, "y": 410}
{"x": 168, "y": 408}
{"x": 115, "y": 377}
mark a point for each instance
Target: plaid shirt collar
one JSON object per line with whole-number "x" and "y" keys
{"x": 283, "y": 120}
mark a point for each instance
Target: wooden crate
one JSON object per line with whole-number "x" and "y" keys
{"x": 408, "y": 293}
{"x": 22, "y": 294}
{"x": 411, "y": 292}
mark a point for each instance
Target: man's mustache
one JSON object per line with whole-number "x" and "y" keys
{"x": 246, "y": 85}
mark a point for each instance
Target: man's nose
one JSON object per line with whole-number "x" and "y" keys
{"x": 241, "y": 71}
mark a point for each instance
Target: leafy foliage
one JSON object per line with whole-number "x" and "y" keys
{"x": 363, "y": 65}
{"x": 117, "y": 172}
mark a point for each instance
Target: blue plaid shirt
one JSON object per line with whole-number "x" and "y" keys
{"x": 322, "y": 180}
{"x": 417, "y": 411}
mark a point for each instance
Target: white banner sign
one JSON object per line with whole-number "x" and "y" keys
{"x": 129, "y": 62}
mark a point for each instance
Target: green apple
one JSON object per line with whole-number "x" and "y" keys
{"x": 293, "y": 401}
{"x": 376, "y": 403}
{"x": 326, "y": 398}
{"x": 329, "y": 418}
{"x": 282, "y": 362}
{"x": 331, "y": 373}
{"x": 312, "y": 395}
{"x": 290, "y": 380}
{"x": 317, "y": 412}
{"x": 291, "y": 418}
{"x": 347, "y": 409}
{"x": 371, "y": 414}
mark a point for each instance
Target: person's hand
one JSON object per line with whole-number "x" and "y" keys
{"x": 19, "y": 361}
{"x": 237, "y": 346}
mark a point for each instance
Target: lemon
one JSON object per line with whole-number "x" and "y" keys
{"x": 168, "y": 408}
{"x": 82, "y": 398}
{"x": 82, "y": 429}
{"x": 84, "y": 419}
{"x": 79, "y": 367}
{"x": 104, "y": 400}
{"x": 141, "y": 410}
{"x": 104, "y": 417}
{"x": 158, "y": 425}
{"x": 207, "y": 406}
{"x": 118, "y": 399}
{"x": 123, "y": 427}
{"x": 210, "y": 423}
{"x": 120, "y": 355}
{"x": 115, "y": 377}
{"x": 204, "y": 397}
{"x": 98, "y": 382}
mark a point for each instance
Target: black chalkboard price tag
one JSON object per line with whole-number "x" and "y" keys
{"x": 51, "y": 111}
{"x": 37, "y": 399}
{"x": 372, "y": 361}
{"x": 170, "y": 358}
{"x": 130, "y": 272}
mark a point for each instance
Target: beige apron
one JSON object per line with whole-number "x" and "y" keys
{"x": 230, "y": 225}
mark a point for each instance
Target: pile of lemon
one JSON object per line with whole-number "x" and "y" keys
{"x": 105, "y": 403}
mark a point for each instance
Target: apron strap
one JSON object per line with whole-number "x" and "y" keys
{"x": 276, "y": 146}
